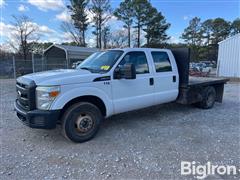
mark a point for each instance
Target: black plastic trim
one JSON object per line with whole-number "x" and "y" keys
{"x": 40, "y": 119}
{"x": 182, "y": 57}
{"x": 174, "y": 78}
{"x": 151, "y": 81}
{"x": 27, "y": 88}
{"x": 104, "y": 78}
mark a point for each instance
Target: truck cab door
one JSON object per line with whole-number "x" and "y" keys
{"x": 131, "y": 94}
{"x": 165, "y": 78}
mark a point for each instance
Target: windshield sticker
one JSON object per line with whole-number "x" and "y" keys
{"x": 105, "y": 67}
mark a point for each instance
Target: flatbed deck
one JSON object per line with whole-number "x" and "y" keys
{"x": 193, "y": 92}
{"x": 203, "y": 81}
{"x": 193, "y": 89}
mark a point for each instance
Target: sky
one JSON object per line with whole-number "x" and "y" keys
{"x": 48, "y": 16}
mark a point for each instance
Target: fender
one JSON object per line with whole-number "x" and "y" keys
{"x": 69, "y": 95}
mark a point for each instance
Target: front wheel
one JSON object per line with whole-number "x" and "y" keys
{"x": 81, "y": 122}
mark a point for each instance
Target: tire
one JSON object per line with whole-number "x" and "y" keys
{"x": 81, "y": 122}
{"x": 209, "y": 97}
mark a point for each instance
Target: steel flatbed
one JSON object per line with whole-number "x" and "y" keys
{"x": 205, "y": 81}
{"x": 192, "y": 89}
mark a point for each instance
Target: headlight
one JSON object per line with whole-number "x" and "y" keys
{"x": 45, "y": 96}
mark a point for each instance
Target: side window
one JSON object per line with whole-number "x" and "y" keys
{"x": 137, "y": 58}
{"x": 161, "y": 61}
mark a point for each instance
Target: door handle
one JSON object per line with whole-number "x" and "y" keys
{"x": 174, "y": 79}
{"x": 151, "y": 81}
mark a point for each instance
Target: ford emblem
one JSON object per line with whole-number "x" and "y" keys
{"x": 19, "y": 93}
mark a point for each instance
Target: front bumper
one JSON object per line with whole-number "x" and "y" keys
{"x": 41, "y": 119}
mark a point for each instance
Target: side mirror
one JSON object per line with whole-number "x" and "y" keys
{"x": 127, "y": 71}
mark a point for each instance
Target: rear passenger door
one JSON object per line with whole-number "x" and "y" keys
{"x": 165, "y": 79}
{"x": 131, "y": 94}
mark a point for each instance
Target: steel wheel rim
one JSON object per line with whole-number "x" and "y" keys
{"x": 210, "y": 99}
{"x": 84, "y": 123}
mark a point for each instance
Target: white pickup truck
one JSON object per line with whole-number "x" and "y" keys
{"x": 108, "y": 83}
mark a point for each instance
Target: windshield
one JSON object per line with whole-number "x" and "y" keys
{"x": 101, "y": 61}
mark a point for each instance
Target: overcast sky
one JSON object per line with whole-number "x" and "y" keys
{"x": 49, "y": 14}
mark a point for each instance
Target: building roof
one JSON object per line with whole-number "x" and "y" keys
{"x": 73, "y": 51}
{"x": 230, "y": 38}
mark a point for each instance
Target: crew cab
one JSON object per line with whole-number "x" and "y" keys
{"x": 108, "y": 83}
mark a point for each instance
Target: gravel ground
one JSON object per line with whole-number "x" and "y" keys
{"x": 144, "y": 144}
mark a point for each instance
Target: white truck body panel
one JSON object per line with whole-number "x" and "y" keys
{"x": 61, "y": 77}
{"x": 165, "y": 89}
{"x": 132, "y": 94}
{"x": 70, "y": 92}
{"x": 119, "y": 95}
{"x": 136, "y": 92}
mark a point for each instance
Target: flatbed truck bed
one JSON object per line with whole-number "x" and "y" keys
{"x": 205, "y": 81}
{"x": 192, "y": 90}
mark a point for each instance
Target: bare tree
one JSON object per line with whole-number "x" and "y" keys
{"x": 23, "y": 31}
{"x": 5, "y": 52}
{"x": 118, "y": 39}
{"x": 78, "y": 9}
{"x": 101, "y": 10}
{"x": 73, "y": 32}
{"x": 125, "y": 13}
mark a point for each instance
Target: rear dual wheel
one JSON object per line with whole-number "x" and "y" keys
{"x": 209, "y": 98}
{"x": 81, "y": 122}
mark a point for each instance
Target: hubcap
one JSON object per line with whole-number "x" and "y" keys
{"x": 83, "y": 123}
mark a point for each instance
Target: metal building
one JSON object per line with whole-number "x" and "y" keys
{"x": 63, "y": 56}
{"x": 229, "y": 57}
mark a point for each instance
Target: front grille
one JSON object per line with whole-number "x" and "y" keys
{"x": 26, "y": 94}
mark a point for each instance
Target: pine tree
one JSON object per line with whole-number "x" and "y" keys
{"x": 235, "y": 26}
{"x": 156, "y": 27}
{"x": 79, "y": 17}
{"x": 206, "y": 28}
{"x": 140, "y": 10}
{"x": 220, "y": 30}
{"x": 101, "y": 10}
{"x": 105, "y": 36}
{"x": 192, "y": 35}
{"x": 125, "y": 14}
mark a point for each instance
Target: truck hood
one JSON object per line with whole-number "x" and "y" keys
{"x": 61, "y": 77}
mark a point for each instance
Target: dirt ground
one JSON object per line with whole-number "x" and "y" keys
{"x": 144, "y": 144}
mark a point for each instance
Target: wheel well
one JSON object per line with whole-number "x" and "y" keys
{"x": 91, "y": 99}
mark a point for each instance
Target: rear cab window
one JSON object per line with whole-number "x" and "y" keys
{"x": 161, "y": 61}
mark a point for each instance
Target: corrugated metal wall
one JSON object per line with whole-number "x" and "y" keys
{"x": 229, "y": 57}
